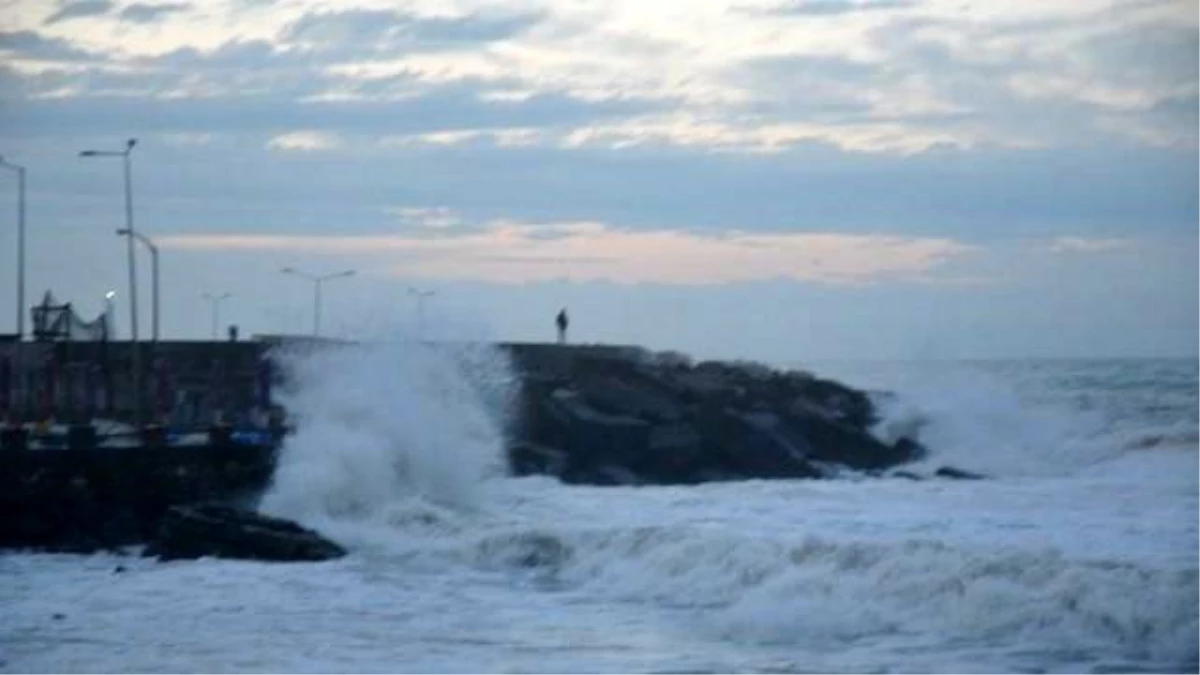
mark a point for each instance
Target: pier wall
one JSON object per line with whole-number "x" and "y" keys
{"x": 185, "y": 383}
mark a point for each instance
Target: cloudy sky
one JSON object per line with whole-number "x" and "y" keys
{"x": 774, "y": 179}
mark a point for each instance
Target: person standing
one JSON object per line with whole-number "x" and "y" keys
{"x": 562, "y": 321}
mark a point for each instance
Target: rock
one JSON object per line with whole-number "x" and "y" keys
{"x": 624, "y": 396}
{"x": 593, "y": 438}
{"x": 526, "y": 459}
{"x": 908, "y": 475}
{"x": 959, "y": 474}
{"x": 841, "y": 443}
{"x": 909, "y": 449}
{"x": 666, "y": 421}
{"x": 676, "y": 455}
{"x": 220, "y": 531}
{"x": 610, "y": 475}
{"x": 753, "y": 445}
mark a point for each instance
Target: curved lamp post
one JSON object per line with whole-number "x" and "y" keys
{"x": 317, "y": 282}
{"x": 126, "y": 157}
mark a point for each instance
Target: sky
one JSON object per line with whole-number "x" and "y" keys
{"x": 781, "y": 180}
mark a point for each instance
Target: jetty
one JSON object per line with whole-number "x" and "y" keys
{"x": 77, "y": 473}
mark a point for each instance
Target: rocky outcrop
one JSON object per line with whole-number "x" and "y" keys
{"x": 609, "y": 417}
{"x": 221, "y": 531}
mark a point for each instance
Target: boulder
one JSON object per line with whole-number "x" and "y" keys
{"x": 752, "y": 445}
{"x": 628, "y": 397}
{"x": 527, "y": 459}
{"x": 837, "y": 442}
{"x": 593, "y": 438}
{"x": 221, "y": 531}
{"x": 958, "y": 474}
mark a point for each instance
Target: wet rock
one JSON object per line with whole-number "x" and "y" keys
{"x": 220, "y": 531}
{"x": 527, "y": 459}
{"x": 909, "y": 450}
{"x": 663, "y": 420}
{"x": 593, "y": 438}
{"x": 959, "y": 474}
{"x": 754, "y": 445}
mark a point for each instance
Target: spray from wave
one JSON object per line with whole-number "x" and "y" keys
{"x": 977, "y": 422}
{"x": 386, "y": 428}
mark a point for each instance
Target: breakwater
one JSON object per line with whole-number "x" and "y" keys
{"x": 586, "y": 414}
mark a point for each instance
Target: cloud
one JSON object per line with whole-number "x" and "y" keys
{"x": 365, "y": 31}
{"x": 514, "y": 252}
{"x": 435, "y": 217}
{"x": 1086, "y": 245}
{"x": 27, "y": 44}
{"x": 304, "y": 141}
{"x": 894, "y": 81}
{"x": 834, "y": 7}
{"x": 192, "y": 100}
{"x": 78, "y": 10}
{"x": 151, "y": 13}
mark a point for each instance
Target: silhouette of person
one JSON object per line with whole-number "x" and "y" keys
{"x": 562, "y": 321}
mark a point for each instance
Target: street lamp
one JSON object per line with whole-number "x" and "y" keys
{"x": 109, "y": 325}
{"x": 18, "y": 354}
{"x": 126, "y": 156}
{"x": 20, "y": 171}
{"x": 317, "y": 281}
{"x": 216, "y": 308}
{"x": 124, "y": 232}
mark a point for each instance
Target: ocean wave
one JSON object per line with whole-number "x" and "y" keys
{"x": 819, "y": 591}
{"x": 381, "y": 424}
{"x": 1015, "y": 424}
{"x": 1175, "y": 438}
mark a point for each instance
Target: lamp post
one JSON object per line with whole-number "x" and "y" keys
{"x": 20, "y": 171}
{"x": 215, "y": 300}
{"x": 126, "y": 156}
{"x": 18, "y": 365}
{"x": 317, "y": 281}
{"x": 109, "y": 325}
{"x": 149, "y": 243}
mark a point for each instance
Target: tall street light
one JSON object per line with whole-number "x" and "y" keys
{"x": 317, "y": 281}
{"x": 20, "y": 171}
{"x": 18, "y": 364}
{"x": 149, "y": 243}
{"x": 109, "y": 325}
{"x": 126, "y": 156}
{"x": 215, "y": 300}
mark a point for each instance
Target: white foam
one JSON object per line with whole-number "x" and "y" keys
{"x": 974, "y": 418}
{"x": 383, "y": 426}
{"x": 818, "y": 593}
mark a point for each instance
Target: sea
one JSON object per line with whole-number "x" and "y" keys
{"x": 1078, "y": 554}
